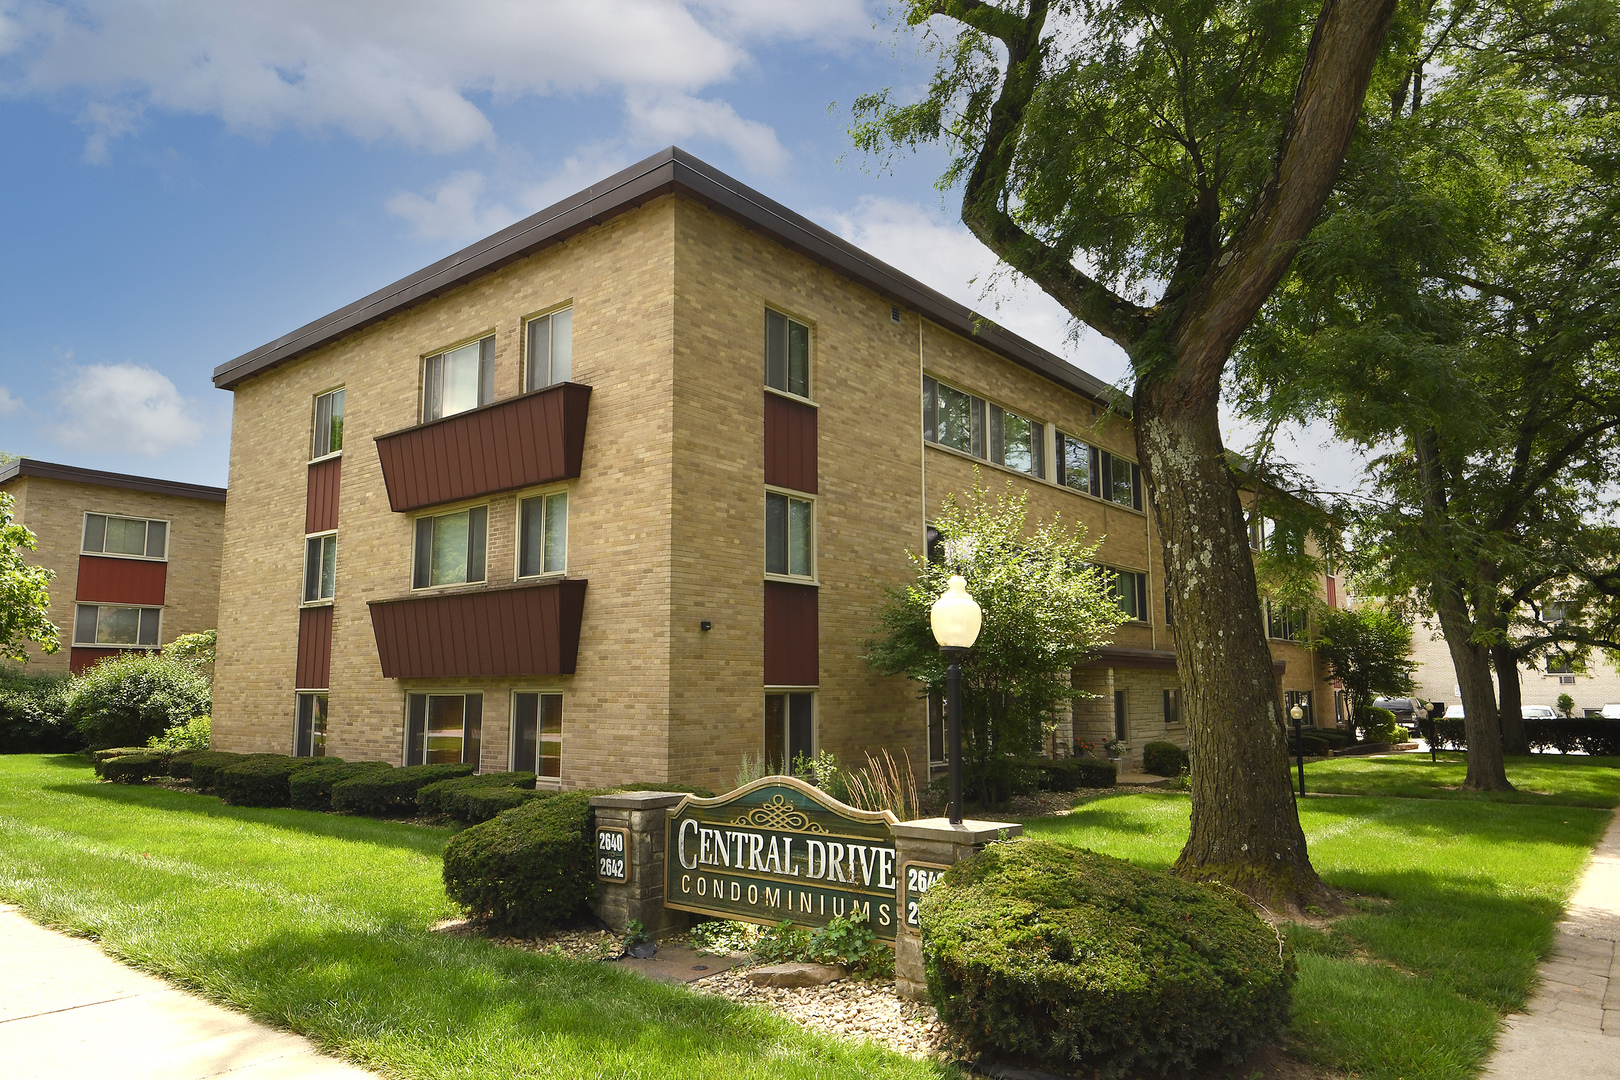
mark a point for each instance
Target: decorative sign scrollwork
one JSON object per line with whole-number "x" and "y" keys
{"x": 780, "y": 814}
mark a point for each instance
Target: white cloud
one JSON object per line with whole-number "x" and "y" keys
{"x": 9, "y": 406}
{"x": 106, "y": 122}
{"x": 125, "y": 408}
{"x": 454, "y": 211}
{"x": 401, "y": 70}
{"x": 672, "y": 117}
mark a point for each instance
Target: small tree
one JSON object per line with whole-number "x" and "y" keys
{"x": 1368, "y": 649}
{"x": 1047, "y": 608}
{"x": 1566, "y": 705}
{"x": 25, "y": 597}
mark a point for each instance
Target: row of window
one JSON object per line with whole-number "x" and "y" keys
{"x": 114, "y": 625}
{"x": 136, "y": 538}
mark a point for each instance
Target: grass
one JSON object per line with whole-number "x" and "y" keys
{"x": 1454, "y": 901}
{"x": 1545, "y": 779}
{"x": 318, "y": 924}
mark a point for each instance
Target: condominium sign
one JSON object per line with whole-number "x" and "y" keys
{"x": 781, "y": 849}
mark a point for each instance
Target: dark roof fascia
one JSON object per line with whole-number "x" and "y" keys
{"x": 670, "y": 170}
{"x": 47, "y": 470}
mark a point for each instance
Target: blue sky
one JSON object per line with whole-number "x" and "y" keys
{"x": 182, "y": 182}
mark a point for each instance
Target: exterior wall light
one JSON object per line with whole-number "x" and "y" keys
{"x": 955, "y": 618}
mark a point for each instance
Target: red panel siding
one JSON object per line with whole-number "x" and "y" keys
{"x": 519, "y": 630}
{"x": 321, "y": 503}
{"x": 80, "y": 659}
{"x": 790, "y": 443}
{"x": 315, "y": 648}
{"x": 107, "y": 580}
{"x": 1332, "y": 592}
{"x": 792, "y": 635}
{"x": 532, "y": 439}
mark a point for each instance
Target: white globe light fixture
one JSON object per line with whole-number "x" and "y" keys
{"x": 956, "y": 619}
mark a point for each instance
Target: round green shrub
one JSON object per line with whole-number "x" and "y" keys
{"x": 392, "y": 793}
{"x": 1163, "y": 759}
{"x": 1043, "y": 952}
{"x": 1073, "y": 773}
{"x": 311, "y": 788}
{"x": 33, "y": 717}
{"x": 126, "y": 700}
{"x": 440, "y": 797}
{"x": 1380, "y": 725}
{"x": 528, "y": 868}
{"x": 133, "y": 768}
{"x": 262, "y": 780}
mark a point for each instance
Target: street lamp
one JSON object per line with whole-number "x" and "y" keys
{"x": 1299, "y": 743}
{"x": 955, "y": 618}
{"x": 1421, "y": 710}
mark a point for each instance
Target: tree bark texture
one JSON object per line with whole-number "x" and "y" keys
{"x": 1509, "y": 699}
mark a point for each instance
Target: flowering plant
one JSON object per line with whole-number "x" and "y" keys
{"x": 1114, "y": 747}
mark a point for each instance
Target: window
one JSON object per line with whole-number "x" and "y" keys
{"x": 550, "y": 351}
{"x": 1077, "y": 464}
{"x": 443, "y": 728}
{"x": 1172, "y": 708}
{"x": 937, "y": 735}
{"x": 328, "y": 423}
{"x": 789, "y": 729}
{"x": 458, "y": 379}
{"x": 1559, "y": 664}
{"x": 140, "y": 538}
{"x": 1130, "y": 593}
{"x": 543, "y": 535}
{"x": 1119, "y": 715}
{"x": 537, "y": 731}
{"x": 450, "y": 548}
{"x": 1262, "y": 532}
{"x": 320, "y": 567}
{"x": 310, "y": 740}
{"x": 789, "y": 535}
{"x": 1087, "y": 469}
{"x": 1302, "y": 698}
{"x": 108, "y": 624}
{"x": 787, "y": 354}
{"x": 1285, "y": 623}
{"x": 972, "y": 425}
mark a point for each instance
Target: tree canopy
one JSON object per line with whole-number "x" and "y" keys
{"x": 25, "y": 599}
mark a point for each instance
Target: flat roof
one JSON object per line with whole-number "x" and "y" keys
{"x": 48, "y": 470}
{"x": 669, "y": 170}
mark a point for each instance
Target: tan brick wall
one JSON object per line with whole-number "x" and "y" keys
{"x": 54, "y": 510}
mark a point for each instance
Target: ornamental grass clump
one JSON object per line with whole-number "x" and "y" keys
{"x": 1045, "y": 953}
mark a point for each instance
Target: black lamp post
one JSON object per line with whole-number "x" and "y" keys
{"x": 955, "y": 618}
{"x": 1426, "y": 725}
{"x": 1299, "y": 743}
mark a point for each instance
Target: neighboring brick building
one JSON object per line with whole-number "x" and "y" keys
{"x": 1540, "y": 683}
{"x": 136, "y": 559}
{"x": 614, "y": 493}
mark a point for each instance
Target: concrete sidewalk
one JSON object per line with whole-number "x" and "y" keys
{"x": 1571, "y": 1028}
{"x": 68, "y": 1011}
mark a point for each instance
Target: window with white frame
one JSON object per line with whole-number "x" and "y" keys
{"x": 450, "y": 548}
{"x": 789, "y": 728}
{"x": 537, "y": 734}
{"x": 787, "y": 354}
{"x": 790, "y": 535}
{"x": 1285, "y": 623}
{"x": 320, "y": 567}
{"x": 549, "y": 353}
{"x": 543, "y": 534}
{"x": 458, "y": 379}
{"x": 1130, "y": 593}
{"x": 135, "y": 538}
{"x": 328, "y": 423}
{"x": 1094, "y": 471}
{"x": 116, "y": 625}
{"x": 310, "y": 738}
{"x": 968, "y": 423}
{"x": 443, "y": 728}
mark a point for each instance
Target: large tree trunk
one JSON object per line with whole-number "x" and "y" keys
{"x": 1245, "y": 826}
{"x": 1509, "y": 698}
{"x": 1473, "y": 664}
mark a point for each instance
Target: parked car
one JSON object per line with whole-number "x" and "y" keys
{"x": 1539, "y": 712}
{"x": 1610, "y": 712}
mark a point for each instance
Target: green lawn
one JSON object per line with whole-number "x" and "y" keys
{"x": 1456, "y": 898}
{"x": 318, "y": 924}
{"x": 1540, "y": 778}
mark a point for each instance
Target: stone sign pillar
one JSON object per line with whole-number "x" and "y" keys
{"x": 629, "y": 840}
{"x": 923, "y": 851}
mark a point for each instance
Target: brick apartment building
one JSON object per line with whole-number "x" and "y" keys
{"x": 612, "y": 494}
{"x": 136, "y": 559}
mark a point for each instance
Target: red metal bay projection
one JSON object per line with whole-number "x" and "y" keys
{"x": 321, "y": 501}
{"x": 517, "y": 630}
{"x": 105, "y": 580}
{"x": 532, "y": 439}
{"x": 315, "y": 647}
{"x": 790, "y": 443}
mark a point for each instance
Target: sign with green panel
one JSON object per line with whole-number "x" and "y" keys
{"x": 779, "y": 849}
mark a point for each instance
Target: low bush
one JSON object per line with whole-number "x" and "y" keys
{"x": 33, "y": 715}
{"x": 1073, "y": 773}
{"x": 846, "y": 940}
{"x": 125, "y": 700}
{"x": 1336, "y": 739}
{"x": 202, "y": 769}
{"x": 429, "y": 798}
{"x": 190, "y": 734}
{"x": 1049, "y": 953}
{"x": 392, "y": 793}
{"x": 526, "y": 869}
{"x": 1315, "y": 745}
{"x": 262, "y": 780}
{"x": 133, "y": 768}
{"x": 1450, "y": 733}
{"x": 1163, "y": 758}
{"x": 97, "y": 757}
{"x": 1586, "y": 735}
{"x": 1379, "y": 725}
{"x": 678, "y": 789}
{"x": 311, "y": 788}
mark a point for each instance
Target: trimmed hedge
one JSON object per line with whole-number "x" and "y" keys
{"x": 478, "y": 804}
{"x": 1163, "y": 758}
{"x": 1073, "y": 773}
{"x": 134, "y": 768}
{"x": 311, "y": 788}
{"x": 100, "y": 757}
{"x": 1590, "y": 735}
{"x": 429, "y": 800}
{"x": 391, "y": 793}
{"x": 262, "y": 781}
{"x": 526, "y": 869}
{"x": 1040, "y": 951}
{"x": 203, "y": 769}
